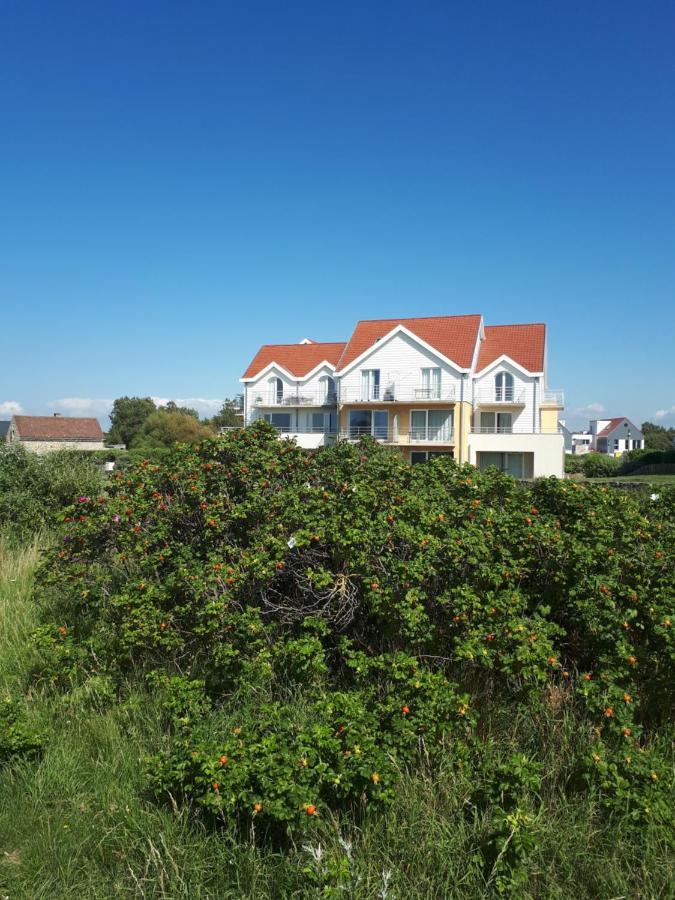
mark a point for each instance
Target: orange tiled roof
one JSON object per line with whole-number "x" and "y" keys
{"x": 613, "y": 423}
{"x": 57, "y": 428}
{"x": 452, "y": 336}
{"x": 298, "y": 359}
{"x": 523, "y": 344}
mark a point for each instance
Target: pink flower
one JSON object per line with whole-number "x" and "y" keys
{"x": 82, "y": 499}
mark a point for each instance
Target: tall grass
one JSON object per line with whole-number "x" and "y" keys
{"x": 76, "y": 822}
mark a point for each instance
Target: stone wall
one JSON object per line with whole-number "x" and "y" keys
{"x": 41, "y": 447}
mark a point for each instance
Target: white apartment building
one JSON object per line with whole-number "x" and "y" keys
{"x": 425, "y": 386}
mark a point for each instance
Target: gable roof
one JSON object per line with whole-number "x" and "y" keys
{"x": 614, "y": 423}
{"x": 298, "y": 359}
{"x": 57, "y": 428}
{"x": 524, "y": 344}
{"x": 454, "y": 337}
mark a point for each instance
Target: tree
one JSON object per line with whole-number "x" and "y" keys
{"x": 172, "y": 406}
{"x": 227, "y": 417}
{"x": 127, "y": 417}
{"x": 657, "y": 437}
{"x": 165, "y": 427}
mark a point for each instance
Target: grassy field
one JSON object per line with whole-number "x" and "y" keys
{"x": 75, "y": 821}
{"x": 656, "y": 480}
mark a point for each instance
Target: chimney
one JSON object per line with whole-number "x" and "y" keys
{"x": 57, "y": 414}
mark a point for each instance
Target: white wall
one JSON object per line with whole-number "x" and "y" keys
{"x": 261, "y": 388}
{"x": 524, "y": 420}
{"x": 548, "y": 449}
{"x": 401, "y": 360}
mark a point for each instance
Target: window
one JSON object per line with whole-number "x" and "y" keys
{"x": 276, "y": 390}
{"x": 510, "y": 463}
{"x": 328, "y": 392}
{"x": 504, "y": 387}
{"x": 317, "y": 422}
{"x": 431, "y": 424}
{"x": 282, "y": 421}
{"x": 370, "y": 384}
{"x": 421, "y": 456}
{"x": 431, "y": 384}
{"x": 496, "y": 423}
{"x": 366, "y": 421}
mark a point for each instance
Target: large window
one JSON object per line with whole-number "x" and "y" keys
{"x": 322, "y": 423}
{"x": 421, "y": 456}
{"x": 366, "y": 421}
{"x": 504, "y": 387}
{"x": 282, "y": 421}
{"x": 431, "y": 384}
{"x": 370, "y": 384}
{"x": 511, "y": 463}
{"x": 496, "y": 423}
{"x": 431, "y": 425}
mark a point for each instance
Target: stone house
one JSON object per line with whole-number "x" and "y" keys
{"x": 43, "y": 434}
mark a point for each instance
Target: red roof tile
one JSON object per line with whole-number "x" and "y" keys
{"x": 452, "y": 336}
{"x": 298, "y": 359}
{"x": 523, "y": 344}
{"x": 613, "y": 423}
{"x": 57, "y": 428}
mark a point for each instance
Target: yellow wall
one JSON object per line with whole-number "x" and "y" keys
{"x": 548, "y": 420}
{"x": 463, "y": 413}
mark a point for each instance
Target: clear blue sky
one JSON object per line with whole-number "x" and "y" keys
{"x": 181, "y": 182}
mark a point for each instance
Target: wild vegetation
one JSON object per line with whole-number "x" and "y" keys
{"x": 249, "y": 670}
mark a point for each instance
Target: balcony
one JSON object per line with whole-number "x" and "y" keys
{"x": 395, "y": 438}
{"x": 295, "y": 398}
{"x": 553, "y": 398}
{"x": 396, "y": 392}
{"x": 501, "y": 397}
{"x": 477, "y": 429}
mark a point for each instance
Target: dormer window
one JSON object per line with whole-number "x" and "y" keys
{"x": 504, "y": 387}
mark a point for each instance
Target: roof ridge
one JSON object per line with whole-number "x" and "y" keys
{"x": 421, "y": 318}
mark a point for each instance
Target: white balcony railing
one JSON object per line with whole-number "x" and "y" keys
{"x": 296, "y": 398}
{"x": 389, "y": 436}
{"x": 478, "y": 429}
{"x": 496, "y": 395}
{"x": 555, "y": 398}
{"x": 396, "y": 392}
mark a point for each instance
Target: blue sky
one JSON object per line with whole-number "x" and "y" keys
{"x": 181, "y": 182}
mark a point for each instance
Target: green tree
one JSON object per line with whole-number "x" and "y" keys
{"x": 172, "y": 406}
{"x": 127, "y": 416}
{"x": 227, "y": 416}
{"x": 165, "y": 427}
{"x": 657, "y": 437}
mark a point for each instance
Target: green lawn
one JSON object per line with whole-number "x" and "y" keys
{"x": 645, "y": 479}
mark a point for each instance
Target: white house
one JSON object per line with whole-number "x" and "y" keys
{"x": 425, "y": 386}
{"x": 615, "y": 436}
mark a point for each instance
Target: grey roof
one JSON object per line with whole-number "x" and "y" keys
{"x": 4, "y": 428}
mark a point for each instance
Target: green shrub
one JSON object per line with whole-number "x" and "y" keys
{"x": 34, "y": 489}
{"x": 638, "y": 458}
{"x": 573, "y": 463}
{"x": 335, "y": 618}
{"x": 599, "y": 465}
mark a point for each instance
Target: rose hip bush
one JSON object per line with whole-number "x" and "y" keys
{"x": 313, "y": 623}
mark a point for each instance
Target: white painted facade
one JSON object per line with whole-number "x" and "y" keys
{"x": 400, "y": 360}
{"x": 502, "y": 415}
